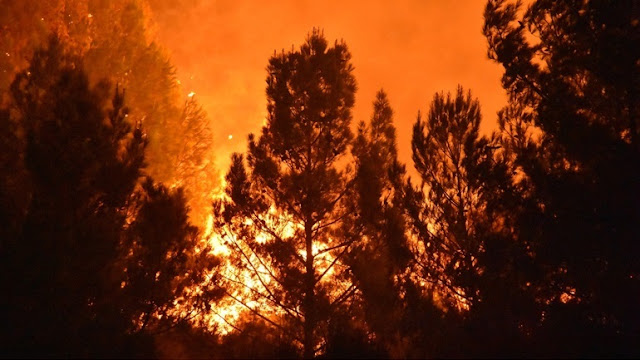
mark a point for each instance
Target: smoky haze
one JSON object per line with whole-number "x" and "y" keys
{"x": 134, "y": 223}
{"x": 412, "y": 49}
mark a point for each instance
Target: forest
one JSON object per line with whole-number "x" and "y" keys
{"x": 121, "y": 238}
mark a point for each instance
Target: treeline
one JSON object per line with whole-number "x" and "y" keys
{"x": 115, "y": 40}
{"x": 94, "y": 252}
{"x": 521, "y": 243}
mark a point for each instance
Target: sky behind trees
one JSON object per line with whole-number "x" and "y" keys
{"x": 126, "y": 231}
{"x": 412, "y": 49}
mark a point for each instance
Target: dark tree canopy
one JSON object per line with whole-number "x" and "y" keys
{"x": 521, "y": 243}
{"x": 114, "y": 40}
{"x": 572, "y": 74}
{"x": 72, "y": 253}
{"x": 380, "y": 254}
{"x": 459, "y": 247}
{"x": 443, "y": 148}
{"x": 164, "y": 260}
{"x": 82, "y": 160}
{"x": 292, "y": 192}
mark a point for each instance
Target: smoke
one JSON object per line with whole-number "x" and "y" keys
{"x": 412, "y": 49}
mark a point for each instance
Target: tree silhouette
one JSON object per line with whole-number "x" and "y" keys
{"x": 114, "y": 40}
{"x": 83, "y": 161}
{"x": 180, "y": 151}
{"x": 70, "y": 258}
{"x": 194, "y": 160}
{"x": 282, "y": 210}
{"x": 442, "y": 147}
{"x": 523, "y": 243}
{"x": 381, "y": 255}
{"x": 164, "y": 260}
{"x": 466, "y": 247}
{"x": 571, "y": 71}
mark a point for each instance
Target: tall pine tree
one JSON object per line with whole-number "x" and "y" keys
{"x": 85, "y": 270}
{"x": 283, "y": 208}
{"x": 466, "y": 249}
{"x": 381, "y": 255}
{"x": 83, "y": 160}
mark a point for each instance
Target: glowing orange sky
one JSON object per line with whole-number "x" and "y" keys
{"x": 412, "y": 49}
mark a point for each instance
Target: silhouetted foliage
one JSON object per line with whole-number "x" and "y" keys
{"x": 81, "y": 159}
{"x": 522, "y": 243}
{"x": 257, "y": 340}
{"x": 572, "y": 74}
{"x": 164, "y": 261}
{"x": 282, "y": 211}
{"x": 377, "y": 226}
{"x": 113, "y": 39}
{"x": 348, "y": 339}
{"x": 442, "y": 147}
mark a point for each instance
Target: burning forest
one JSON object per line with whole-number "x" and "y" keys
{"x": 173, "y": 187}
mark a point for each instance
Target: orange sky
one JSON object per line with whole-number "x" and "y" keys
{"x": 412, "y": 49}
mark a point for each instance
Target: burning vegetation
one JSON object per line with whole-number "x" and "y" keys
{"x": 120, "y": 238}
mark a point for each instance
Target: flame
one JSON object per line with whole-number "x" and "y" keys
{"x": 246, "y": 285}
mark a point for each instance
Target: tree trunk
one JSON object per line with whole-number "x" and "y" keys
{"x": 309, "y": 297}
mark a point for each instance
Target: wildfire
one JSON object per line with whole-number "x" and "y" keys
{"x": 247, "y": 287}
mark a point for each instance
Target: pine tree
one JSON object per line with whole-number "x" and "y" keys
{"x": 441, "y": 147}
{"x": 461, "y": 217}
{"x": 83, "y": 159}
{"x": 572, "y": 75}
{"x": 283, "y": 207}
{"x": 164, "y": 261}
{"x": 194, "y": 161}
{"x": 379, "y": 261}
{"x": 81, "y": 262}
